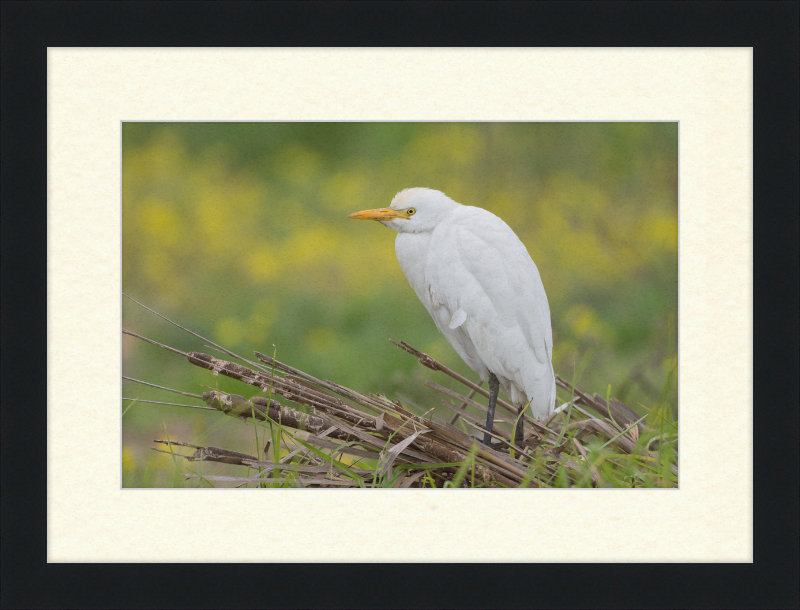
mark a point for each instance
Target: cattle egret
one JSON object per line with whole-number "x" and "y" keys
{"x": 483, "y": 291}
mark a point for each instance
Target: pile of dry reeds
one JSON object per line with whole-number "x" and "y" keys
{"x": 389, "y": 446}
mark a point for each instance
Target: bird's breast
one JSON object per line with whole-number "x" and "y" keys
{"x": 412, "y": 254}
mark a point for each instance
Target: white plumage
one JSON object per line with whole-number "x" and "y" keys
{"x": 483, "y": 291}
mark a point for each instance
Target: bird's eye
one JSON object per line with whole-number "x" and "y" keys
{"x": 411, "y": 211}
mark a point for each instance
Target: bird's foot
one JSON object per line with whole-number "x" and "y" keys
{"x": 489, "y": 443}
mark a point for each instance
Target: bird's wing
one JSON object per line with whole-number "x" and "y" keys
{"x": 477, "y": 264}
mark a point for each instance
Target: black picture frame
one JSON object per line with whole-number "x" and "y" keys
{"x": 28, "y": 28}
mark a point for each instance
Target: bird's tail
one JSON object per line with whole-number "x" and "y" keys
{"x": 543, "y": 398}
{"x": 543, "y": 401}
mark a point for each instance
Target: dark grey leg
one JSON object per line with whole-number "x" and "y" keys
{"x": 494, "y": 389}
{"x": 519, "y": 435}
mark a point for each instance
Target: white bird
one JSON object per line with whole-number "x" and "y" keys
{"x": 483, "y": 291}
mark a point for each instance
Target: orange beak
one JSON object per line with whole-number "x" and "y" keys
{"x": 380, "y": 214}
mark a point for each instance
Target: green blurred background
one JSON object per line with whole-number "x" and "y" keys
{"x": 239, "y": 232}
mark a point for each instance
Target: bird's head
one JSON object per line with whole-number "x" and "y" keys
{"x": 414, "y": 210}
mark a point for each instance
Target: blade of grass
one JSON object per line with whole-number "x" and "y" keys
{"x": 334, "y": 462}
{"x": 175, "y": 477}
{"x": 611, "y": 440}
{"x": 133, "y": 400}
{"x": 514, "y": 429}
{"x": 465, "y": 465}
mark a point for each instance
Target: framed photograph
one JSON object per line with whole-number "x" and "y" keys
{"x": 213, "y": 185}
